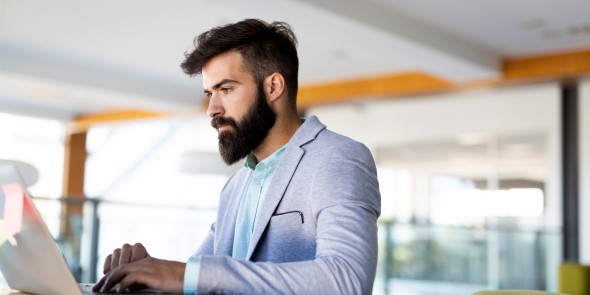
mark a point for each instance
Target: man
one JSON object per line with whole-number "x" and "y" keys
{"x": 300, "y": 216}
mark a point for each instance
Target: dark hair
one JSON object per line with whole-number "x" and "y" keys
{"x": 265, "y": 48}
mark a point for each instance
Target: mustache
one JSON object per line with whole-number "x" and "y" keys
{"x": 218, "y": 121}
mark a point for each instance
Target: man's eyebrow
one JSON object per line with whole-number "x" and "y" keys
{"x": 221, "y": 83}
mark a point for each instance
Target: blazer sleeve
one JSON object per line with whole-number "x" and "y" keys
{"x": 207, "y": 246}
{"x": 346, "y": 204}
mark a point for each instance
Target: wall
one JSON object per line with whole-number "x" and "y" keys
{"x": 507, "y": 110}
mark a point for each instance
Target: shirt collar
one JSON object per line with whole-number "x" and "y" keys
{"x": 270, "y": 161}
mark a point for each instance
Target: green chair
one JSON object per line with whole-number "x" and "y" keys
{"x": 574, "y": 279}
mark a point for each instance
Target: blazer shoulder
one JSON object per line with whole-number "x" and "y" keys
{"x": 313, "y": 132}
{"x": 332, "y": 142}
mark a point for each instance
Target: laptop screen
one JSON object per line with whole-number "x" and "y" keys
{"x": 29, "y": 258}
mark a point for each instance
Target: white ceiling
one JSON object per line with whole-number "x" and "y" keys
{"x": 60, "y": 59}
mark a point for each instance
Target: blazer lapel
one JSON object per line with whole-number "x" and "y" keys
{"x": 282, "y": 177}
{"x": 280, "y": 180}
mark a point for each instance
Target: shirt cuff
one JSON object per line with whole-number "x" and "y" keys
{"x": 191, "y": 275}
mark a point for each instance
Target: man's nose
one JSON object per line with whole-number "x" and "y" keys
{"x": 214, "y": 109}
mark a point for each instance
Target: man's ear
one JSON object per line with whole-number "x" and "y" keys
{"x": 274, "y": 86}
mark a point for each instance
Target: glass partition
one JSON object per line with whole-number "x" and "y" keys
{"x": 468, "y": 215}
{"x": 470, "y": 184}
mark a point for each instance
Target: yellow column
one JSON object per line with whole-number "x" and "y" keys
{"x": 73, "y": 180}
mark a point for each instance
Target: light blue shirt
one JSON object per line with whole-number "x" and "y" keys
{"x": 252, "y": 196}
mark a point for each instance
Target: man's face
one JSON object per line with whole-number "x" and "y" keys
{"x": 237, "y": 105}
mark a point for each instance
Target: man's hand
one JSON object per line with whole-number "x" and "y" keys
{"x": 163, "y": 275}
{"x": 125, "y": 254}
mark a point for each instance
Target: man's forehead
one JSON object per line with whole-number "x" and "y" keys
{"x": 216, "y": 82}
{"x": 224, "y": 67}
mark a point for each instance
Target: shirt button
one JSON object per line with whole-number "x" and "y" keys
{"x": 258, "y": 183}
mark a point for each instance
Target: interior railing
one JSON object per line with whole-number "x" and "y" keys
{"x": 413, "y": 258}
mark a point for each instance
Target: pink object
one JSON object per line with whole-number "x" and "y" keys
{"x": 13, "y": 209}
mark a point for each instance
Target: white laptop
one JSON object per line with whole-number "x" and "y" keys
{"x": 29, "y": 257}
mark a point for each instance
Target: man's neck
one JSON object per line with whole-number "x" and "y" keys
{"x": 277, "y": 136}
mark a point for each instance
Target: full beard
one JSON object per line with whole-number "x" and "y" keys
{"x": 237, "y": 142}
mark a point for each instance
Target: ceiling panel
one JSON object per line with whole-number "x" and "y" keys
{"x": 96, "y": 56}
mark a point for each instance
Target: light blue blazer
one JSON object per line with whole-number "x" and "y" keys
{"x": 316, "y": 230}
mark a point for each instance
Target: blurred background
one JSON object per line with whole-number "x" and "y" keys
{"x": 477, "y": 113}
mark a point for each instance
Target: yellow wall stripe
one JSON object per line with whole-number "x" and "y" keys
{"x": 373, "y": 87}
{"x": 560, "y": 65}
{"x": 84, "y": 122}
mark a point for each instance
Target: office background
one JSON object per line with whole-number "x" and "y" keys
{"x": 461, "y": 103}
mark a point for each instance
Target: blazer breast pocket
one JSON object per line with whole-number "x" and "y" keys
{"x": 287, "y": 239}
{"x": 287, "y": 219}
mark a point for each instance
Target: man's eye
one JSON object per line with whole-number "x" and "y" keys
{"x": 208, "y": 94}
{"x": 226, "y": 90}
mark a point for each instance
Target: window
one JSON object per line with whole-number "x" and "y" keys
{"x": 470, "y": 185}
{"x": 38, "y": 143}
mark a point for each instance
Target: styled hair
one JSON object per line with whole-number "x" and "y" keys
{"x": 265, "y": 49}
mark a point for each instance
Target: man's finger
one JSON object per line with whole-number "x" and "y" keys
{"x": 125, "y": 254}
{"x": 138, "y": 252}
{"x": 113, "y": 277}
{"x": 132, "y": 279}
{"x": 115, "y": 258}
{"x": 99, "y": 284}
{"x": 107, "y": 264}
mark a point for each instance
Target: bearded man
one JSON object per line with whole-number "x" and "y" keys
{"x": 300, "y": 216}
